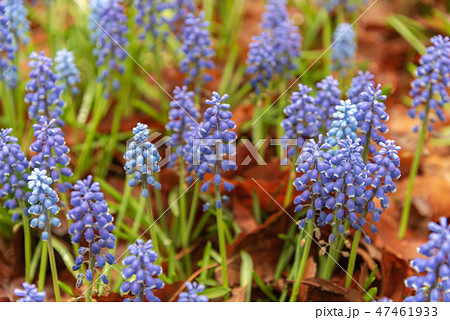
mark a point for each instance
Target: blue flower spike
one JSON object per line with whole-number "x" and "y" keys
{"x": 193, "y": 293}
{"x": 142, "y": 160}
{"x": 141, "y": 273}
{"x": 109, "y": 29}
{"x": 44, "y": 203}
{"x": 67, "y": 71}
{"x": 13, "y": 175}
{"x": 434, "y": 283}
{"x": 197, "y": 50}
{"x": 29, "y": 293}
{"x": 43, "y": 93}
{"x": 344, "y": 49}
{"x": 93, "y": 224}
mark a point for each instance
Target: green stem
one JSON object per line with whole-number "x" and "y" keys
{"x": 221, "y": 234}
{"x": 305, "y": 255}
{"x": 256, "y": 207}
{"x": 352, "y": 259}
{"x": 152, "y": 221}
{"x": 193, "y": 210}
{"x": 43, "y": 266}
{"x": 332, "y": 256}
{"x": 183, "y": 216}
{"x": 290, "y": 185}
{"x": 51, "y": 255}
{"x": 258, "y": 125}
{"x": 412, "y": 176}
{"x": 27, "y": 244}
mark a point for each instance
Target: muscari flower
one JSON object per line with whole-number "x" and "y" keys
{"x": 344, "y": 123}
{"x": 281, "y": 37}
{"x": 434, "y": 284}
{"x": 328, "y": 96}
{"x": 8, "y": 49}
{"x": 380, "y": 182}
{"x": 371, "y": 115}
{"x": 193, "y": 293}
{"x": 29, "y": 293}
{"x": 44, "y": 202}
{"x": 51, "y": 152}
{"x": 142, "y": 160}
{"x": 349, "y": 5}
{"x": 432, "y": 80}
{"x": 315, "y": 183}
{"x": 302, "y": 117}
{"x": 197, "y": 49}
{"x": 93, "y": 223}
{"x": 217, "y": 145}
{"x": 109, "y": 22}
{"x": 348, "y": 184}
{"x": 67, "y": 72}
{"x": 18, "y": 22}
{"x": 13, "y": 175}
{"x": 43, "y": 94}
{"x": 181, "y": 10}
{"x": 385, "y": 299}
{"x": 182, "y": 116}
{"x": 260, "y": 61}
{"x": 150, "y": 18}
{"x": 141, "y": 273}
{"x": 360, "y": 83}
{"x": 344, "y": 48}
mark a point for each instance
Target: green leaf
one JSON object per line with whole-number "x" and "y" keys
{"x": 371, "y": 294}
{"x": 371, "y": 278}
{"x": 246, "y": 273}
{"x": 213, "y": 293}
{"x": 65, "y": 254}
{"x": 66, "y": 288}
{"x": 264, "y": 288}
{"x": 35, "y": 259}
{"x": 407, "y": 34}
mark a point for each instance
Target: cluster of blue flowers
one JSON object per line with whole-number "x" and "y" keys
{"x": 429, "y": 89}
{"x": 109, "y": 30}
{"x": 371, "y": 114}
{"x": 360, "y": 83}
{"x": 328, "y": 97}
{"x": 217, "y": 144}
{"x": 182, "y": 8}
{"x": 142, "y": 160}
{"x": 91, "y": 218}
{"x": 67, "y": 72}
{"x": 8, "y": 49}
{"x": 141, "y": 273}
{"x": 44, "y": 202}
{"x": 182, "y": 116}
{"x": 273, "y": 51}
{"x": 19, "y": 25}
{"x": 349, "y": 5}
{"x": 344, "y": 48}
{"x": 302, "y": 118}
{"x": 13, "y": 175}
{"x": 197, "y": 49}
{"x": 435, "y": 283}
{"x": 51, "y": 151}
{"x": 193, "y": 293}
{"x": 343, "y": 186}
{"x": 150, "y": 17}
{"x": 29, "y": 293}
{"x": 44, "y": 95}
{"x": 344, "y": 123}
